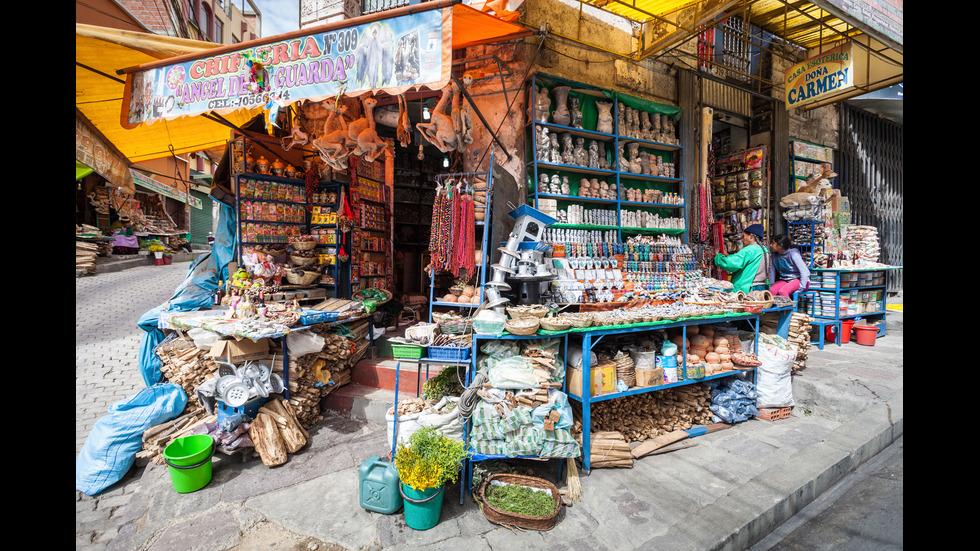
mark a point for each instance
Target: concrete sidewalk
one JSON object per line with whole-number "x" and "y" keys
{"x": 726, "y": 492}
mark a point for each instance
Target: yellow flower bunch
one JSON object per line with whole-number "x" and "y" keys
{"x": 429, "y": 460}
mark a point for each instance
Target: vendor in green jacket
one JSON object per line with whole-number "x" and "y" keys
{"x": 750, "y": 265}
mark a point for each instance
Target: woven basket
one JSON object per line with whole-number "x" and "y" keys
{"x": 301, "y": 260}
{"x": 517, "y": 312}
{"x": 555, "y": 324}
{"x": 506, "y": 518}
{"x": 295, "y": 279}
{"x": 579, "y": 320}
{"x": 303, "y": 245}
{"x": 522, "y": 326}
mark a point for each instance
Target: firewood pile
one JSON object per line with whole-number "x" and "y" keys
{"x": 85, "y": 254}
{"x": 650, "y": 415}
{"x": 608, "y": 449}
{"x": 281, "y": 426}
{"x": 799, "y": 337}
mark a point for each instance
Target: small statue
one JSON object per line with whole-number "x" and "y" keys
{"x": 565, "y": 188}
{"x": 543, "y": 186}
{"x": 555, "y": 186}
{"x": 605, "y": 120}
{"x": 555, "y": 155}
{"x": 634, "y": 158}
{"x": 542, "y": 105}
{"x": 568, "y": 155}
{"x": 576, "y": 112}
{"x": 603, "y": 161}
{"x": 644, "y": 162}
{"x": 543, "y": 144}
{"x": 645, "y": 125}
{"x": 621, "y": 119}
{"x": 594, "y": 154}
{"x": 561, "y": 115}
{"x": 581, "y": 155}
{"x": 624, "y": 164}
{"x": 584, "y": 188}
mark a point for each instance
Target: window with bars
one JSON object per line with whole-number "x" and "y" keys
{"x": 733, "y": 46}
{"x": 372, "y": 6}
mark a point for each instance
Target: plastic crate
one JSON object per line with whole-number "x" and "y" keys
{"x": 455, "y": 353}
{"x": 250, "y": 408}
{"x": 407, "y": 351}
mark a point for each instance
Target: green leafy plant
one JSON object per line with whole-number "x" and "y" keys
{"x": 429, "y": 460}
{"x": 520, "y": 499}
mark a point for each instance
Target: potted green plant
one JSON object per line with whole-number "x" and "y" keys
{"x": 425, "y": 465}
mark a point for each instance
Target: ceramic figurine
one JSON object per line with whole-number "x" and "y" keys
{"x": 561, "y": 115}
{"x": 555, "y": 154}
{"x": 584, "y": 188}
{"x": 565, "y": 188}
{"x": 543, "y": 145}
{"x": 621, "y": 119}
{"x": 634, "y": 158}
{"x": 543, "y": 185}
{"x": 645, "y": 125}
{"x": 594, "y": 154}
{"x": 605, "y": 120}
{"x": 624, "y": 164}
{"x": 576, "y": 112}
{"x": 542, "y": 105}
{"x": 555, "y": 186}
{"x": 581, "y": 155}
{"x": 603, "y": 161}
{"x": 568, "y": 153}
{"x": 644, "y": 162}
{"x": 262, "y": 165}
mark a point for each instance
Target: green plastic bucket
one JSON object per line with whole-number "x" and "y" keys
{"x": 422, "y": 508}
{"x": 189, "y": 459}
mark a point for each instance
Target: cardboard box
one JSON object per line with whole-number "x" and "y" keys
{"x": 235, "y": 351}
{"x": 602, "y": 381}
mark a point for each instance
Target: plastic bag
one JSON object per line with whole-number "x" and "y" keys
{"x": 774, "y": 382}
{"x": 112, "y": 445}
{"x": 450, "y": 423}
{"x": 575, "y": 358}
{"x": 302, "y": 343}
{"x": 203, "y": 338}
{"x": 498, "y": 349}
{"x": 668, "y": 349}
{"x": 512, "y": 373}
{"x": 557, "y": 400}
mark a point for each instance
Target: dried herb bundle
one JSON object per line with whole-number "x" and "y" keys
{"x": 521, "y": 500}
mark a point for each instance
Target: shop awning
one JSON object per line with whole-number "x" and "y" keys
{"x": 99, "y": 91}
{"x": 392, "y": 51}
{"x": 817, "y": 26}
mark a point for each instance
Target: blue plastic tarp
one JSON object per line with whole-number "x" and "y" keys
{"x": 111, "y": 447}
{"x": 196, "y": 292}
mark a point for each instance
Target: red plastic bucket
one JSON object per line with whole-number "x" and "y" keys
{"x": 845, "y": 332}
{"x": 866, "y": 334}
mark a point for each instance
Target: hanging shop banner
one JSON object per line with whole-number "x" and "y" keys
{"x": 394, "y": 55}
{"x": 169, "y": 190}
{"x": 820, "y": 76}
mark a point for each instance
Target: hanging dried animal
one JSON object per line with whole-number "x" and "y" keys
{"x": 333, "y": 144}
{"x": 295, "y": 137}
{"x": 404, "y": 130}
{"x": 441, "y": 132}
{"x": 369, "y": 145}
{"x": 461, "y": 116}
{"x": 374, "y": 58}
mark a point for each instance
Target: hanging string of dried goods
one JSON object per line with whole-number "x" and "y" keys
{"x": 439, "y": 238}
{"x": 464, "y": 237}
{"x": 312, "y": 182}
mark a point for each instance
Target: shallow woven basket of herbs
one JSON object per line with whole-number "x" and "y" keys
{"x": 522, "y": 499}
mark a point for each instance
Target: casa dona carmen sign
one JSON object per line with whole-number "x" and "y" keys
{"x": 820, "y": 77}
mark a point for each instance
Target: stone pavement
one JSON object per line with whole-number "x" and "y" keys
{"x": 107, "y": 340}
{"x": 726, "y": 492}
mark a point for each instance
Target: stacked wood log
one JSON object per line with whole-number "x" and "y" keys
{"x": 276, "y": 432}
{"x": 85, "y": 254}
{"x": 608, "y": 449}
{"x": 799, "y": 337}
{"x": 184, "y": 364}
{"x": 649, "y": 415}
{"x": 157, "y": 438}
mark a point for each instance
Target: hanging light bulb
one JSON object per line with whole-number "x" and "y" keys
{"x": 425, "y": 112}
{"x": 445, "y": 162}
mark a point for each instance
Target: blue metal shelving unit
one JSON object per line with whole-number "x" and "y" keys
{"x": 535, "y": 167}
{"x": 838, "y": 289}
{"x": 484, "y": 226}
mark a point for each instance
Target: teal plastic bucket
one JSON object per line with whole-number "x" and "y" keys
{"x": 189, "y": 459}
{"x": 422, "y": 508}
